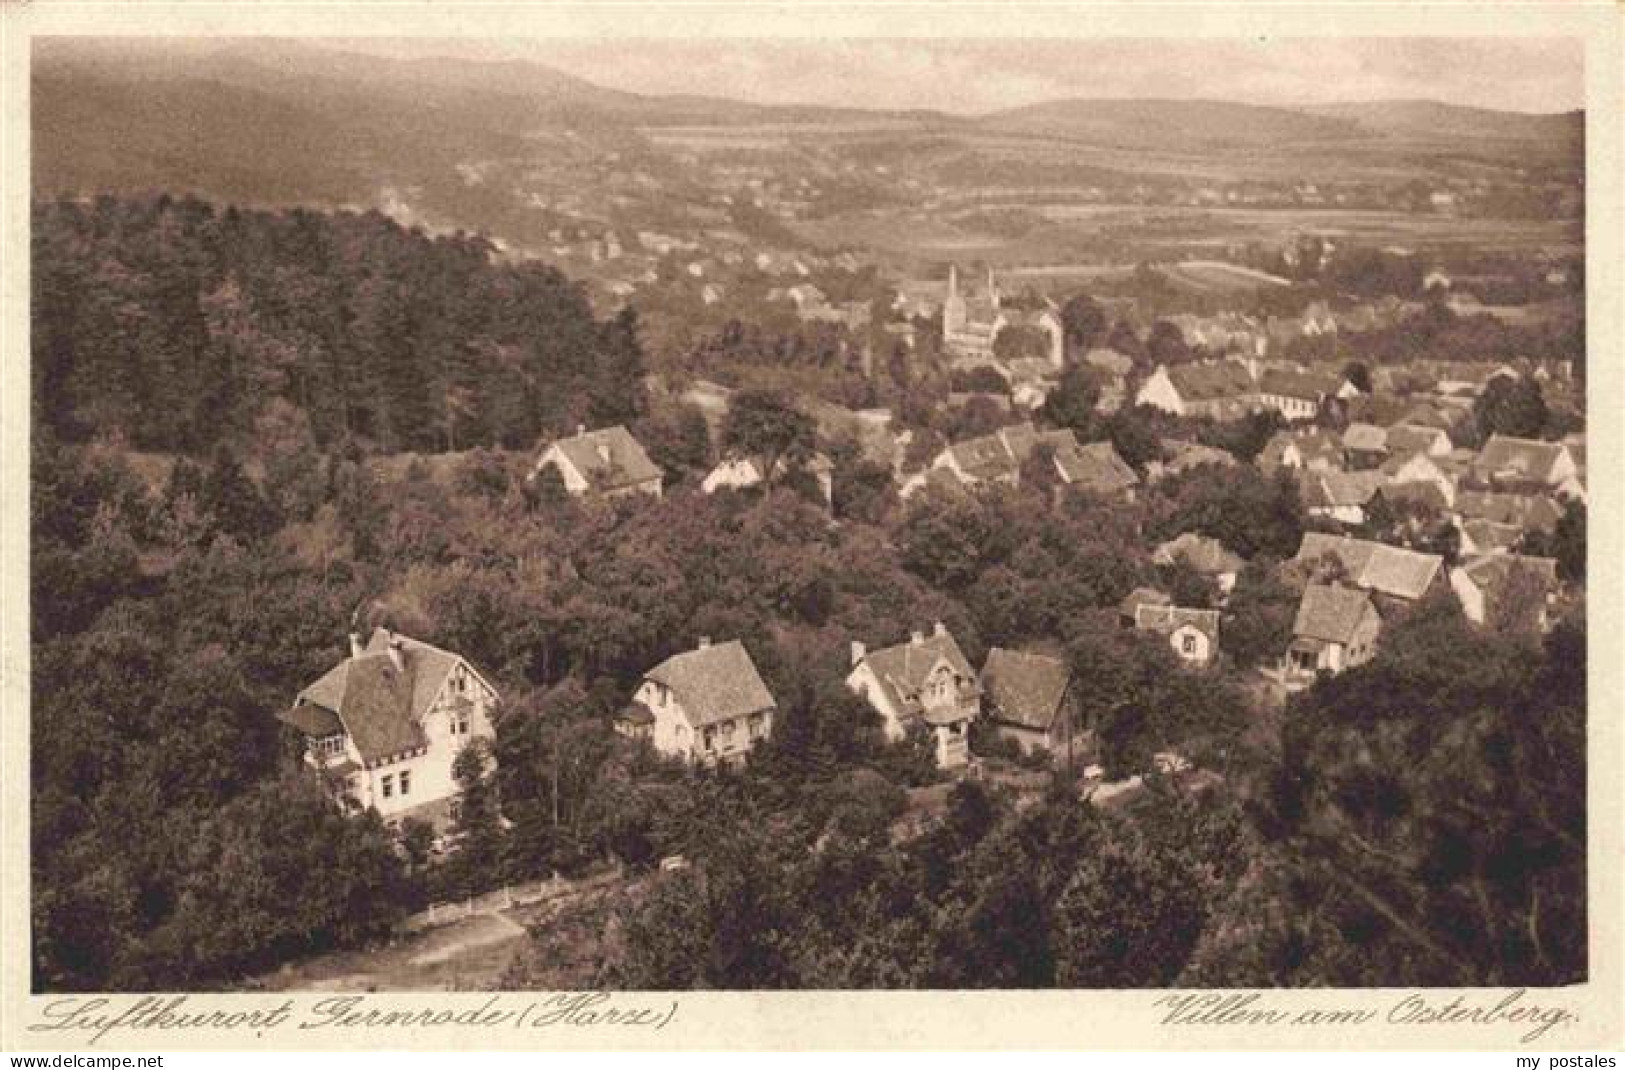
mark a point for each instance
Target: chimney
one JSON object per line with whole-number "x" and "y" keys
{"x": 397, "y": 653}
{"x": 858, "y": 652}
{"x": 916, "y": 638}
{"x": 356, "y": 647}
{"x": 705, "y": 641}
{"x": 581, "y": 429}
{"x": 938, "y": 630}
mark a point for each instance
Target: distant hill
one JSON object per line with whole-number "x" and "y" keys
{"x": 1172, "y": 124}
{"x": 1431, "y": 118}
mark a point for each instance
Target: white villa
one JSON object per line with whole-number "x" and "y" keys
{"x": 384, "y": 726}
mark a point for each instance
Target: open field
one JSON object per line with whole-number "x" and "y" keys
{"x": 1082, "y": 238}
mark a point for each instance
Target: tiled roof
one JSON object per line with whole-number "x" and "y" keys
{"x": 1424, "y": 491}
{"x": 1409, "y": 438}
{"x": 1206, "y": 382}
{"x": 1204, "y": 554}
{"x": 1535, "y": 512}
{"x": 902, "y": 669}
{"x": 312, "y": 720}
{"x": 995, "y": 456}
{"x": 1339, "y": 489}
{"x": 1095, "y": 466}
{"x": 428, "y": 666}
{"x": 1025, "y": 689}
{"x": 1366, "y": 437}
{"x": 1165, "y": 620}
{"x": 1375, "y": 566}
{"x": 1489, "y": 536}
{"x": 380, "y": 706}
{"x": 1284, "y": 382}
{"x": 1520, "y": 458}
{"x": 608, "y": 458}
{"x": 714, "y": 683}
{"x": 1491, "y": 571}
{"x": 1330, "y": 614}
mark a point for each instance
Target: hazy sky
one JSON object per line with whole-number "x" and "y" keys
{"x": 1538, "y": 75}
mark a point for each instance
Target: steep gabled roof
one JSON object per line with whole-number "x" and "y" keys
{"x": 379, "y": 706}
{"x": 714, "y": 683}
{"x": 1519, "y": 458}
{"x": 902, "y": 669}
{"x": 1533, "y": 512}
{"x": 1304, "y": 386}
{"x": 608, "y": 458}
{"x": 1411, "y": 438}
{"x": 997, "y": 455}
{"x": 1375, "y": 566}
{"x": 1165, "y": 620}
{"x": 1211, "y": 381}
{"x": 1367, "y": 438}
{"x": 1330, "y": 614}
{"x": 1025, "y": 689}
{"x": 1491, "y": 572}
{"x": 1339, "y": 489}
{"x": 1095, "y": 466}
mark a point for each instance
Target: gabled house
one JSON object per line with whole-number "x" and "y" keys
{"x": 1204, "y": 554}
{"x": 1028, "y": 698}
{"x": 1095, "y": 467}
{"x": 1314, "y": 451}
{"x": 1365, "y": 445}
{"x": 739, "y": 473}
{"x": 1296, "y": 395}
{"x": 1484, "y": 583}
{"x": 1507, "y": 463}
{"x": 925, "y": 680}
{"x": 1403, "y": 469}
{"x": 1402, "y": 575}
{"x": 1192, "y": 633}
{"x": 1521, "y": 512}
{"x": 1182, "y": 455}
{"x": 1336, "y": 629}
{"x": 708, "y": 704}
{"x": 1413, "y": 438}
{"x": 384, "y": 726}
{"x": 998, "y": 458}
{"x": 607, "y": 463}
{"x": 1222, "y": 390}
{"x": 1340, "y": 496}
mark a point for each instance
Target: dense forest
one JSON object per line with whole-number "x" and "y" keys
{"x": 241, "y": 446}
{"x": 178, "y": 327}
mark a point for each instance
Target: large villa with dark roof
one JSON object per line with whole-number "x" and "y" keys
{"x": 384, "y": 726}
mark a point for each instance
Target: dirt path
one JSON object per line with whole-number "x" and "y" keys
{"x": 469, "y": 953}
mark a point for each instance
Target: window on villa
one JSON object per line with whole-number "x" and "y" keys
{"x": 710, "y": 737}
{"x": 387, "y": 783}
{"x": 406, "y": 782}
{"x": 1189, "y": 644}
{"x": 454, "y": 809}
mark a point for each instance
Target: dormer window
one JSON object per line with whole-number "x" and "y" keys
{"x": 328, "y": 746}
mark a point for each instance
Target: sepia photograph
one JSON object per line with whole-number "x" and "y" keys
{"x": 679, "y": 514}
